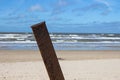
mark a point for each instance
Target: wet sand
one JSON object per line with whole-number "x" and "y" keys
{"x": 31, "y": 55}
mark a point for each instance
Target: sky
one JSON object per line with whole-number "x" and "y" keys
{"x": 74, "y": 16}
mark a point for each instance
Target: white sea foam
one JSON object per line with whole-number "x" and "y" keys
{"x": 17, "y": 41}
{"x": 71, "y": 41}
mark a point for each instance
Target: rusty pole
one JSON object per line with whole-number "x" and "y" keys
{"x": 47, "y": 51}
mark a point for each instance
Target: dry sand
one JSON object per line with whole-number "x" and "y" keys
{"x": 76, "y": 65}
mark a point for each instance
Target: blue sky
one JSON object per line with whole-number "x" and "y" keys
{"x": 79, "y": 16}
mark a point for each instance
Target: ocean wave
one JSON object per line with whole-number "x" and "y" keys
{"x": 62, "y": 41}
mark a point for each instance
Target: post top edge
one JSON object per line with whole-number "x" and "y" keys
{"x": 36, "y": 25}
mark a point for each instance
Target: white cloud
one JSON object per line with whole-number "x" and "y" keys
{"x": 59, "y": 7}
{"x": 36, "y": 7}
{"x": 102, "y": 6}
{"x": 62, "y": 3}
{"x": 107, "y": 4}
{"x": 104, "y": 2}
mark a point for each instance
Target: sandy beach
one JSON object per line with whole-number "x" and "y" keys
{"x": 76, "y": 65}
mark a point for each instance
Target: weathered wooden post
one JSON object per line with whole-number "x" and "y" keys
{"x": 47, "y": 51}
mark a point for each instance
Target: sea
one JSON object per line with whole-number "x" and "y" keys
{"x": 62, "y": 41}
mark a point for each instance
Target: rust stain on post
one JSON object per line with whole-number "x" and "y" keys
{"x": 47, "y": 51}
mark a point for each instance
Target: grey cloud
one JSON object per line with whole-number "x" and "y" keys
{"x": 58, "y": 11}
{"x": 18, "y": 17}
{"x": 23, "y": 22}
{"x": 97, "y": 27}
{"x": 11, "y": 18}
{"x": 106, "y": 12}
{"x": 93, "y": 23}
